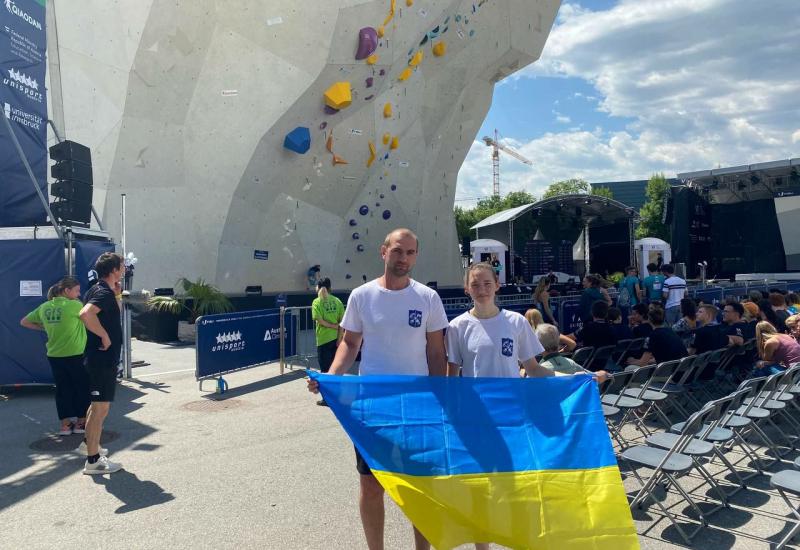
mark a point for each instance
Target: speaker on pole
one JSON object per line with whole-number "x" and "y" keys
{"x": 74, "y": 184}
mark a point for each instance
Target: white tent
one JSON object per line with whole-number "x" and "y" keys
{"x": 490, "y": 247}
{"x": 647, "y": 252}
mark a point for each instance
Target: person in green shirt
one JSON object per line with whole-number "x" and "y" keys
{"x": 327, "y": 310}
{"x": 59, "y": 317}
{"x": 653, "y": 284}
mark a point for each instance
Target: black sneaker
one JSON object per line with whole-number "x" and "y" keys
{"x": 322, "y": 403}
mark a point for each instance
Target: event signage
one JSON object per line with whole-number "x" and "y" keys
{"x": 23, "y": 46}
{"x": 234, "y": 341}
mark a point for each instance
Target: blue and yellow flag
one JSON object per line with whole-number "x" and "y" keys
{"x": 526, "y": 463}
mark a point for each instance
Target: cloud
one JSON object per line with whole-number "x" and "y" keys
{"x": 705, "y": 83}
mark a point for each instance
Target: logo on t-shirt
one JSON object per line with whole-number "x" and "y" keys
{"x": 414, "y": 318}
{"x": 507, "y": 347}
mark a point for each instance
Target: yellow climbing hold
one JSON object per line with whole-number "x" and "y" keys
{"x": 338, "y": 160}
{"x": 372, "y": 59}
{"x": 371, "y": 158}
{"x": 338, "y": 95}
{"x": 409, "y": 3}
{"x": 405, "y": 74}
{"x": 387, "y": 137}
{"x": 387, "y": 110}
{"x": 395, "y": 143}
{"x": 439, "y": 49}
{"x": 381, "y": 31}
{"x": 391, "y": 13}
{"x": 416, "y": 60}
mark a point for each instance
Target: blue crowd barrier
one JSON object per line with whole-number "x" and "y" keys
{"x": 234, "y": 341}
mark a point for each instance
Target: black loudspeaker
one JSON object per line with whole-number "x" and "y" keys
{"x": 72, "y": 191}
{"x": 71, "y": 151}
{"x": 465, "y": 242}
{"x": 72, "y": 170}
{"x": 74, "y": 211}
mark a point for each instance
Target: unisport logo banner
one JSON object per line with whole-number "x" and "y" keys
{"x": 23, "y": 46}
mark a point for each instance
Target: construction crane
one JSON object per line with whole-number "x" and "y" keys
{"x": 496, "y": 148}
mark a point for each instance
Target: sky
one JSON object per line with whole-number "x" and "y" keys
{"x": 628, "y": 88}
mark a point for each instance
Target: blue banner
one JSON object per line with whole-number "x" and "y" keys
{"x": 27, "y": 269}
{"x": 86, "y": 254}
{"x": 23, "y": 46}
{"x": 570, "y": 317}
{"x": 234, "y": 341}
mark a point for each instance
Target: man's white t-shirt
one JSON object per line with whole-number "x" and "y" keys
{"x": 675, "y": 288}
{"x": 491, "y": 347}
{"x": 394, "y": 325}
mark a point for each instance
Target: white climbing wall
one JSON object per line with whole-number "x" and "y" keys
{"x": 187, "y": 106}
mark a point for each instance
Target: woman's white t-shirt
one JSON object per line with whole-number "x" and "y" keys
{"x": 491, "y": 347}
{"x": 394, "y": 325}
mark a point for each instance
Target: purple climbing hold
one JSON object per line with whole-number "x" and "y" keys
{"x": 382, "y": 72}
{"x": 367, "y": 42}
{"x": 323, "y": 125}
{"x": 393, "y": 187}
{"x": 330, "y": 110}
{"x": 368, "y": 97}
{"x": 387, "y": 214}
{"x": 356, "y": 236}
{"x": 364, "y": 210}
{"x": 370, "y": 81}
{"x": 353, "y": 223}
{"x": 360, "y": 248}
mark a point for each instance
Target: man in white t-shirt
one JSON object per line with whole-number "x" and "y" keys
{"x": 401, "y": 324}
{"x": 673, "y": 289}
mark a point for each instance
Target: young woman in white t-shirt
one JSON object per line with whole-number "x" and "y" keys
{"x": 487, "y": 341}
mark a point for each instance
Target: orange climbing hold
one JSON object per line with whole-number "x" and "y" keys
{"x": 387, "y": 137}
{"x": 329, "y": 143}
{"x": 338, "y": 160}
{"x": 338, "y": 95}
{"x": 371, "y": 158}
{"x": 387, "y": 110}
{"x": 395, "y": 143}
{"x": 405, "y": 74}
{"x": 372, "y": 59}
{"x": 439, "y": 49}
{"x": 416, "y": 60}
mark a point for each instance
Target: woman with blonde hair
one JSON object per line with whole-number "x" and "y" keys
{"x": 534, "y": 317}
{"x": 777, "y": 351}
{"x": 793, "y": 326}
{"x": 327, "y": 311}
{"x": 541, "y": 299}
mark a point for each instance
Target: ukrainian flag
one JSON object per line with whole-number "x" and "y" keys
{"x": 525, "y": 463}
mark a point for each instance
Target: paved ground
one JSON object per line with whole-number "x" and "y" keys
{"x": 263, "y": 468}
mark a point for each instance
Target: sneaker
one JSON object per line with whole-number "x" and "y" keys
{"x": 79, "y": 428}
{"x": 322, "y": 403}
{"x": 82, "y": 449}
{"x": 66, "y": 429}
{"x": 102, "y": 466}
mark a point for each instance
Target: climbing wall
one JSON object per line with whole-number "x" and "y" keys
{"x": 255, "y": 139}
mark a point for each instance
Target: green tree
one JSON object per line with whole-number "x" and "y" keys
{"x": 652, "y": 212}
{"x": 576, "y": 186}
{"x": 467, "y": 217}
{"x": 572, "y": 186}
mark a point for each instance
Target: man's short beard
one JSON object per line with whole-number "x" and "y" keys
{"x": 399, "y": 272}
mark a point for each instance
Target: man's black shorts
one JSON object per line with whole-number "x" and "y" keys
{"x": 361, "y": 464}
{"x": 102, "y": 373}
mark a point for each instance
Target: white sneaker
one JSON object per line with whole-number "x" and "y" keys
{"x": 85, "y": 451}
{"x": 65, "y": 429}
{"x": 102, "y": 466}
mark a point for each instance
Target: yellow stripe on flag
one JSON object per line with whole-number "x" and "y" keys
{"x": 547, "y": 509}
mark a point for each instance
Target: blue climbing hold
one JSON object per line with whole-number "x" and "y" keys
{"x": 360, "y": 248}
{"x": 381, "y": 195}
{"x": 364, "y": 210}
{"x": 348, "y": 276}
{"x": 356, "y": 236}
{"x": 347, "y": 261}
{"x": 393, "y": 187}
{"x": 387, "y": 214}
{"x": 298, "y": 140}
{"x": 353, "y": 223}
